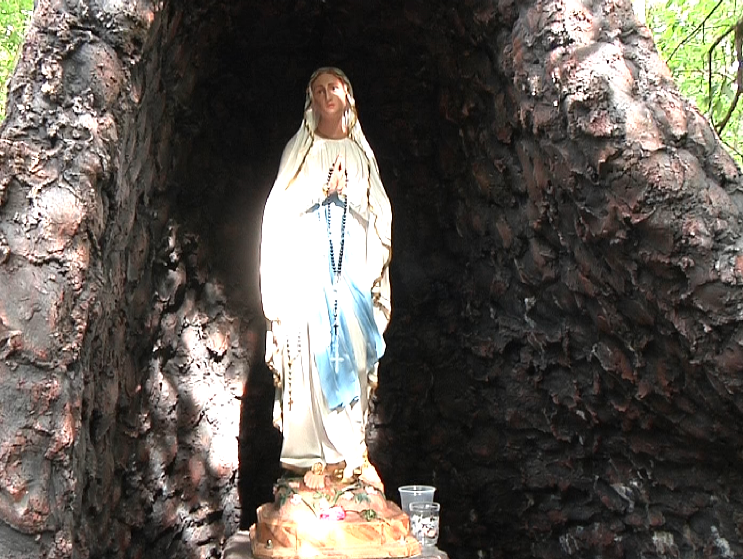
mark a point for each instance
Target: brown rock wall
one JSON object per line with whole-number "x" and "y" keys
{"x": 120, "y": 390}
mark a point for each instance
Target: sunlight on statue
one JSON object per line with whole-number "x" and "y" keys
{"x": 325, "y": 253}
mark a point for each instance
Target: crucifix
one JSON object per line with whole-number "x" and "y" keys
{"x": 336, "y": 359}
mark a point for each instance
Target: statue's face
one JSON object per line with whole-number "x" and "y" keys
{"x": 329, "y": 96}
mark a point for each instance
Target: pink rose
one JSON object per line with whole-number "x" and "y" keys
{"x": 333, "y": 513}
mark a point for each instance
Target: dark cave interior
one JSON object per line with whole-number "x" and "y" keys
{"x": 248, "y": 67}
{"x": 234, "y": 101}
{"x": 490, "y": 349}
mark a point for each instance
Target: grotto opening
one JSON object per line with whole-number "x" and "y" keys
{"x": 565, "y": 352}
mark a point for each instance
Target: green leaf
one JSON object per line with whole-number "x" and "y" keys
{"x": 368, "y": 514}
{"x": 15, "y": 16}
{"x": 362, "y": 497}
{"x": 677, "y": 29}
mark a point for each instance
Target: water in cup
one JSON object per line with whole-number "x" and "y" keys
{"x": 424, "y": 522}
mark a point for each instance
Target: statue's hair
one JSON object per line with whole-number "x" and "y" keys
{"x": 350, "y": 117}
{"x": 299, "y": 146}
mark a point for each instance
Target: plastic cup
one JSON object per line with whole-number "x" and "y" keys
{"x": 415, "y": 494}
{"x": 424, "y": 522}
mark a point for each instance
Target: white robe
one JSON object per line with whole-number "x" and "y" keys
{"x": 290, "y": 251}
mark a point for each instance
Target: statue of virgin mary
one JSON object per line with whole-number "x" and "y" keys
{"x": 325, "y": 254}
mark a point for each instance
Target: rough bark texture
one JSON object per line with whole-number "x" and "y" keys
{"x": 123, "y": 364}
{"x": 564, "y": 361}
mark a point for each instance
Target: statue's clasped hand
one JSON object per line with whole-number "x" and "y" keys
{"x": 337, "y": 177}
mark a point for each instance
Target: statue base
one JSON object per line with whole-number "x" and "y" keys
{"x": 238, "y": 546}
{"x": 352, "y": 520}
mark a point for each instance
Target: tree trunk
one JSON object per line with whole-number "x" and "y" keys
{"x": 564, "y": 360}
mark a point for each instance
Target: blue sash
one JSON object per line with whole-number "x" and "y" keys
{"x": 340, "y": 384}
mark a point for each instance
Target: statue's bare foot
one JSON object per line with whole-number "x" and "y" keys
{"x": 314, "y": 478}
{"x": 369, "y": 476}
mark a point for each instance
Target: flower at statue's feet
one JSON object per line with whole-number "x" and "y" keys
{"x": 333, "y": 513}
